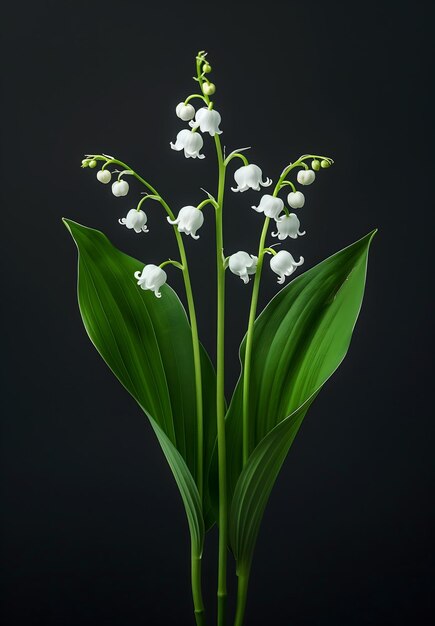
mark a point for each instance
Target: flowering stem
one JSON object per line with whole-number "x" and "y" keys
{"x": 249, "y": 338}
{"x": 253, "y": 310}
{"x": 220, "y": 372}
{"x": 242, "y": 585}
{"x": 196, "y": 558}
{"x": 220, "y": 395}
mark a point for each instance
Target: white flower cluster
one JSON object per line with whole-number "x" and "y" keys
{"x": 287, "y": 224}
{"x": 191, "y": 141}
{"x": 190, "y": 218}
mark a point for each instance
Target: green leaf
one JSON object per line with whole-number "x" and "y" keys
{"x": 300, "y": 339}
{"x": 147, "y": 344}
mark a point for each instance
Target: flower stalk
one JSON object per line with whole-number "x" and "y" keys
{"x": 243, "y": 577}
{"x": 220, "y": 363}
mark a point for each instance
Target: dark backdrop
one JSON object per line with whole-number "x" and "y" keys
{"x": 93, "y": 529}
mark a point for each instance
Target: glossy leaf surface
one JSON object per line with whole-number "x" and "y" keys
{"x": 146, "y": 342}
{"x": 300, "y": 339}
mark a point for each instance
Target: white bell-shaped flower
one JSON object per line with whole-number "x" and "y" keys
{"x": 243, "y": 264}
{"x": 120, "y": 188}
{"x": 152, "y": 277}
{"x": 185, "y": 112}
{"x": 207, "y": 120}
{"x": 104, "y": 176}
{"x": 190, "y": 142}
{"x": 249, "y": 177}
{"x": 296, "y": 199}
{"x": 306, "y": 177}
{"x": 188, "y": 221}
{"x": 288, "y": 226}
{"x": 135, "y": 220}
{"x": 270, "y": 206}
{"x": 284, "y": 264}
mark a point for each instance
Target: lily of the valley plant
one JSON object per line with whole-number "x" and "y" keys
{"x": 224, "y": 457}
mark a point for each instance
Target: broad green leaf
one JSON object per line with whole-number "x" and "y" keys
{"x": 300, "y": 339}
{"x": 146, "y": 342}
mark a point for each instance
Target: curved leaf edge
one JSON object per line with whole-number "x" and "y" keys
{"x": 182, "y": 475}
{"x": 244, "y": 560}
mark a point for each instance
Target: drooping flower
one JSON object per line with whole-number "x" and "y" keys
{"x": 284, "y": 264}
{"x": 207, "y": 120}
{"x": 104, "y": 176}
{"x": 188, "y": 221}
{"x": 270, "y": 205}
{"x": 243, "y": 264}
{"x": 120, "y": 188}
{"x": 190, "y": 142}
{"x": 296, "y": 199}
{"x": 306, "y": 177}
{"x": 152, "y": 277}
{"x": 249, "y": 177}
{"x": 135, "y": 219}
{"x": 185, "y": 112}
{"x": 288, "y": 226}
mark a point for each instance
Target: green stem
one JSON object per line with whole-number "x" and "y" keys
{"x": 196, "y": 564}
{"x": 249, "y": 338}
{"x": 196, "y": 589}
{"x": 242, "y": 593}
{"x": 220, "y": 395}
{"x": 220, "y": 377}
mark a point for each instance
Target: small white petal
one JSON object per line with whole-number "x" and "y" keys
{"x": 249, "y": 177}
{"x": 296, "y": 199}
{"x": 120, "y": 188}
{"x": 104, "y": 176}
{"x": 306, "y": 177}
{"x": 185, "y": 112}
{"x": 188, "y": 221}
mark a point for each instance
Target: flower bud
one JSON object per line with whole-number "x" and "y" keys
{"x": 104, "y": 176}
{"x": 185, "y": 112}
{"x": 306, "y": 177}
{"x": 296, "y": 199}
{"x": 206, "y": 68}
{"x": 325, "y": 164}
{"x": 315, "y": 165}
{"x": 93, "y": 163}
{"x": 208, "y": 89}
{"x": 85, "y": 162}
{"x": 120, "y": 188}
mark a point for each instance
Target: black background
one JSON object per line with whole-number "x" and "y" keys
{"x": 93, "y": 530}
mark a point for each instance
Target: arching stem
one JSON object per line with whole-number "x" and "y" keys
{"x": 196, "y": 560}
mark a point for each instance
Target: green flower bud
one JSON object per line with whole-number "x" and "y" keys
{"x": 206, "y": 68}
{"x": 325, "y": 164}
{"x": 85, "y": 162}
{"x": 92, "y": 163}
{"x": 208, "y": 89}
{"x": 315, "y": 165}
